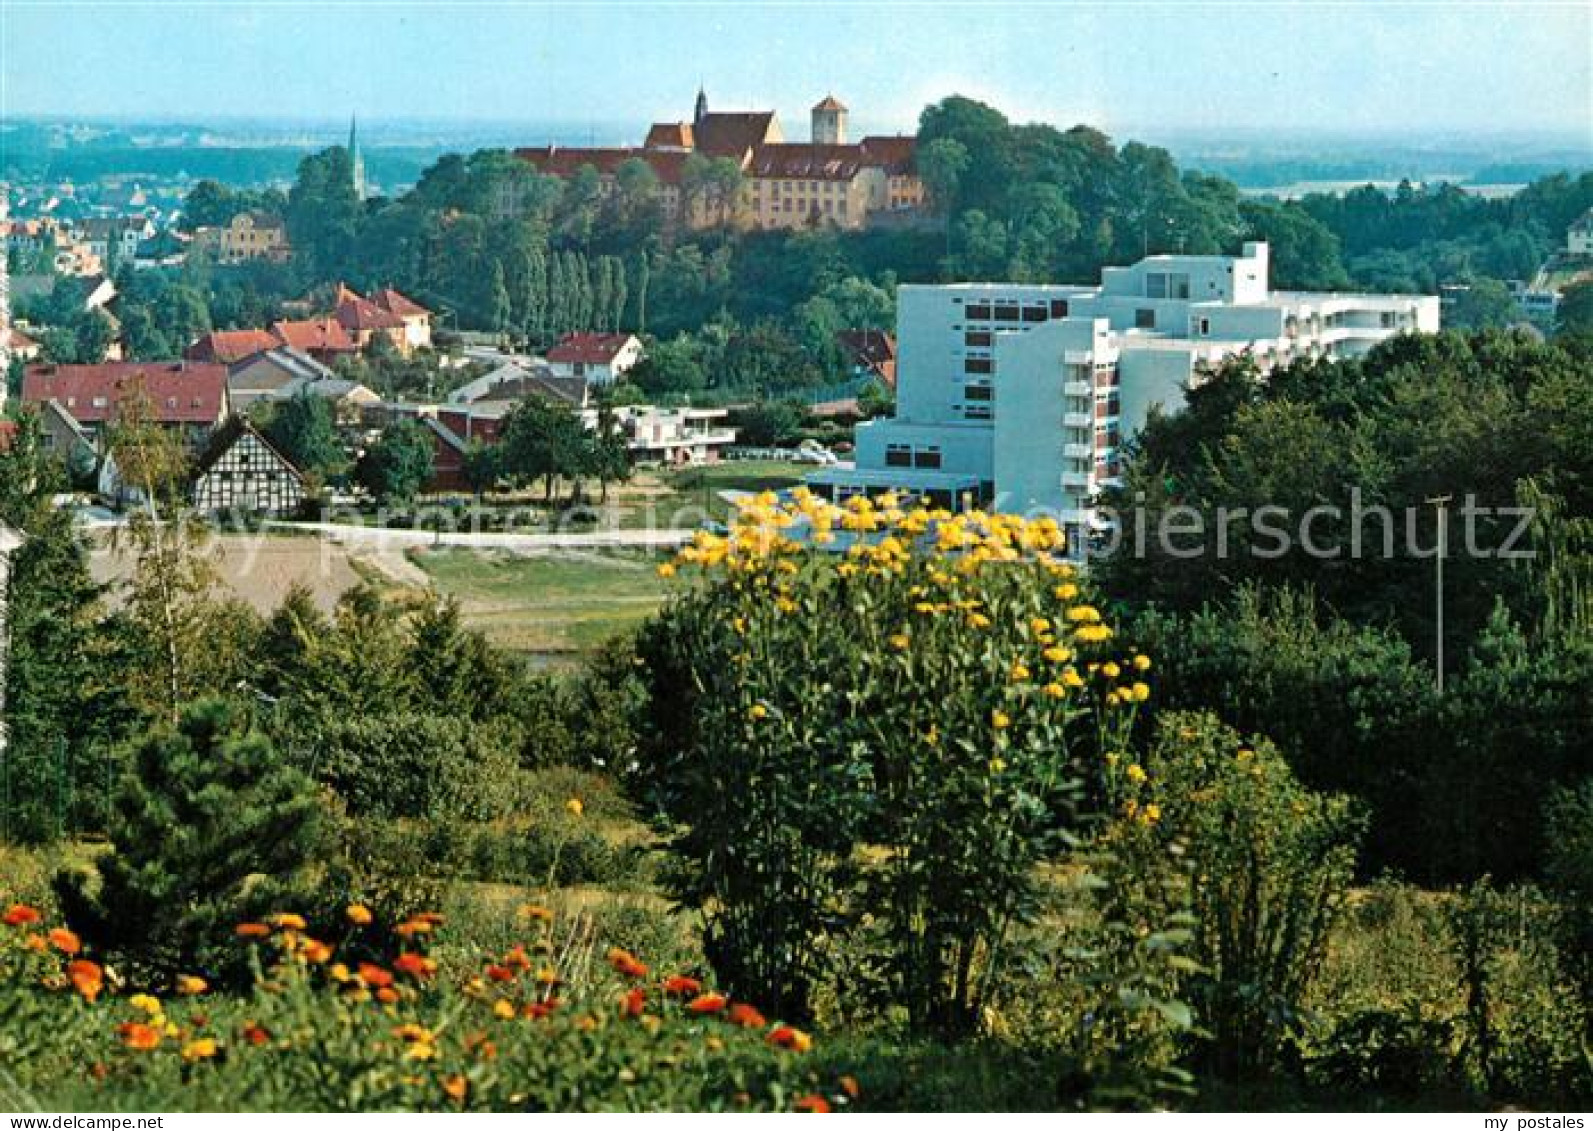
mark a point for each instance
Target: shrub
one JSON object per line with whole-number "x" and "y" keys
{"x": 1271, "y": 861}
{"x": 209, "y": 828}
{"x": 794, "y": 747}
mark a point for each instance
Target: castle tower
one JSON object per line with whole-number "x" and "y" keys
{"x": 701, "y": 111}
{"x": 829, "y": 122}
{"x": 356, "y": 159}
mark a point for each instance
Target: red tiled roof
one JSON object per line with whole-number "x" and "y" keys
{"x": 874, "y": 350}
{"x": 178, "y": 392}
{"x": 830, "y": 103}
{"x": 801, "y": 161}
{"x": 228, "y": 346}
{"x": 566, "y": 163}
{"x": 357, "y": 313}
{"x": 314, "y": 334}
{"x": 20, "y": 341}
{"x": 590, "y": 349}
{"x": 669, "y": 135}
{"x": 402, "y": 305}
{"x": 733, "y": 134}
{"x": 895, "y": 154}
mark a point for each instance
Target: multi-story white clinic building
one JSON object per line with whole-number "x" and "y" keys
{"x": 1019, "y": 396}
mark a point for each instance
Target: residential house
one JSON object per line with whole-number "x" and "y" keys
{"x": 79, "y": 402}
{"x": 404, "y": 323}
{"x": 167, "y": 248}
{"x": 1579, "y": 236}
{"x": 115, "y": 239}
{"x": 601, "y": 359}
{"x": 322, "y": 338}
{"x": 675, "y": 436}
{"x": 871, "y": 354}
{"x": 227, "y": 347}
{"x": 261, "y": 375}
{"x": 239, "y": 471}
{"x": 247, "y": 236}
{"x": 349, "y": 399}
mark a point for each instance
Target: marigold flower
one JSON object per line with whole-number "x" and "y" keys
{"x": 1110, "y": 670}
{"x": 65, "y": 941}
{"x": 537, "y": 1010}
{"x": 358, "y": 914}
{"x": 1139, "y": 692}
{"x": 1135, "y": 773}
{"x": 708, "y": 1003}
{"x": 745, "y": 1016}
{"x": 786, "y": 1037}
{"x": 456, "y": 1087}
{"x": 497, "y": 973}
{"x": 315, "y": 951}
{"x": 255, "y": 1033}
{"x": 414, "y": 925}
{"x": 627, "y": 963}
{"x": 201, "y": 1049}
{"x": 252, "y": 930}
{"x": 850, "y": 1086}
{"x": 900, "y": 641}
{"x": 191, "y": 985}
{"x": 86, "y": 977}
{"x": 1142, "y": 663}
{"x": 633, "y": 1002}
{"x": 138, "y": 1035}
{"x": 575, "y": 806}
{"x": 20, "y": 915}
{"x": 415, "y": 965}
{"x": 666, "y": 569}
{"x": 288, "y": 921}
{"x": 1019, "y": 673}
{"x": 679, "y": 985}
{"x": 548, "y": 976}
{"x": 1083, "y": 614}
{"x": 1000, "y": 720}
{"x": 813, "y": 1103}
{"x": 516, "y": 958}
{"x": 387, "y": 995}
{"x": 758, "y": 711}
{"x": 373, "y": 975}
{"x": 1054, "y": 690}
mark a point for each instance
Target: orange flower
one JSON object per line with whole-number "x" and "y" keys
{"x": 35, "y": 943}
{"x": 86, "y": 977}
{"x": 679, "y": 985}
{"x": 457, "y": 1088}
{"x": 850, "y": 1086}
{"x": 412, "y": 927}
{"x": 252, "y": 930}
{"x": 289, "y": 921}
{"x": 415, "y": 965}
{"x": 517, "y": 958}
{"x": 627, "y": 963}
{"x": 189, "y": 985}
{"x": 746, "y": 1016}
{"x": 137, "y": 1035}
{"x": 633, "y": 1003}
{"x": 316, "y": 951}
{"x": 256, "y": 1034}
{"x": 202, "y": 1049}
{"x": 20, "y": 915}
{"x": 536, "y": 912}
{"x": 496, "y": 973}
{"x": 373, "y": 975}
{"x": 708, "y": 1003}
{"x": 387, "y": 995}
{"x": 537, "y": 1010}
{"x": 430, "y": 918}
{"x": 358, "y": 914}
{"x": 813, "y": 1102}
{"x": 788, "y": 1038}
{"x": 65, "y": 941}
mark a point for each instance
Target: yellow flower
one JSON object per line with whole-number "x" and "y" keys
{"x": 358, "y": 914}
{"x": 666, "y": 569}
{"x": 503, "y": 1010}
{"x": 288, "y": 921}
{"x": 999, "y": 720}
{"x": 1065, "y": 592}
{"x": 1142, "y": 663}
{"x": 1019, "y": 673}
{"x": 1083, "y": 614}
{"x": 1072, "y": 678}
{"x": 1110, "y": 670}
{"x": 1058, "y": 654}
{"x": 758, "y": 711}
{"x": 1092, "y": 634}
{"x": 978, "y": 620}
{"x": 1152, "y": 813}
{"x": 900, "y": 641}
{"x": 188, "y": 985}
{"x": 575, "y": 806}
{"x": 1054, "y": 690}
{"x": 202, "y": 1049}
{"x": 146, "y": 1003}
{"x": 1040, "y": 624}
{"x": 1135, "y": 773}
{"x": 1140, "y": 692}
{"x": 997, "y": 765}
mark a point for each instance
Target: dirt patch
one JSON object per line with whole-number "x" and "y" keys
{"x": 260, "y": 568}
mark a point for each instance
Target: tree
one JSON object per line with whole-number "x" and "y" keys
{"x": 942, "y": 164}
{"x": 302, "y": 428}
{"x": 670, "y": 367}
{"x": 1485, "y": 304}
{"x": 210, "y": 829}
{"x": 1576, "y": 309}
{"x": 399, "y": 464}
{"x": 544, "y": 439}
{"x": 481, "y": 466}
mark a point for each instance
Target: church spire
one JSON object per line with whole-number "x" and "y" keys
{"x": 702, "y": 107}
{"x": 356, "y": 159}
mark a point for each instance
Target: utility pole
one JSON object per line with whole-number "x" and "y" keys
{"x": 1440, "y": 503}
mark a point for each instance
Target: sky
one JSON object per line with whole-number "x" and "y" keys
{"x": 1401, "y": 67}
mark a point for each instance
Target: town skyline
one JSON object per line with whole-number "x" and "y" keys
{"x": 1394, "y": 69}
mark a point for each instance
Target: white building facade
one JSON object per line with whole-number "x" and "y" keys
{"x": 1020, "y": 396}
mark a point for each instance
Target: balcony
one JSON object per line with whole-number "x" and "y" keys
{"x": 1078, "y": 389}
{"x": 1076, "y": 480}
{"x": 1078, "y": 420}
{"x": 1079, "y": 451}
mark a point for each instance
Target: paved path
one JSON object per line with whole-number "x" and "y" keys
{"x": 383, "y": 538}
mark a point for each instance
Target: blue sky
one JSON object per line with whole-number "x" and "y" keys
{"x": 1350, "y": 66}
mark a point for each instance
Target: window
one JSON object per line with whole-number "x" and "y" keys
{"x": 976, "y": 412}
{"x": 976, "y": 393}
{"x": 1144, "y": 319}
{"x": 979, "y": 339}
{"x": 1059, "y": 308}
{"x": 977, "y": 365}
{"x": 1156, "y": 285}
{"x": 898, "y": 455}
{"x": 1203, "y": 327}
{"x": 927, "y": 458}
{"x": 979, "y": 310}
{"x": 1006, "y": 312}
{"x": 1035, "y": 313}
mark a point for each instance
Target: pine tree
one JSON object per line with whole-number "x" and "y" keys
{"x": 558, "y": 298}
{"x": 210, "y": 829}
{"x": 536, "y": 298}
{"x": 644, "y": 276}
{"x": 602, "y": 293}
{"x": 501, "y": 305}
{"x": 617, "y": 296}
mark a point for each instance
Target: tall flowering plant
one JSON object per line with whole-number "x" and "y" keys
{"x": 885, "y": 715}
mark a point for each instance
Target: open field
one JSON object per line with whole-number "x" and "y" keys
{"x": 555, "y": 605}
{"x": 689, "y": 496}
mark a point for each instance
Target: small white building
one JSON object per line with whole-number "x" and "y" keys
{"x": 1579, "y": 236}
{"x": 1021, "y": 396}
{"x": 600, "y": 358}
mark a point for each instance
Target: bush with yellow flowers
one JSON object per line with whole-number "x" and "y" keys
{"x": 553, "y": 1023}
{"x": 874, "y": 722}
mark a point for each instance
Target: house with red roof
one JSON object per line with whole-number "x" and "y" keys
{"x": 324, "y": 339}
{"x": 227, "y": 347}
{"x": 386, "y": 313}
{"x": 600, "y": 359}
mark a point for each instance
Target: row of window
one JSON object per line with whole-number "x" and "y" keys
{"x": 1012, "y": 311}
{"x": 906, "y": 455}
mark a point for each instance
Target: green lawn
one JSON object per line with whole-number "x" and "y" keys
{"x": 701, "y": 485}
{"x": 558, "y": 605}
